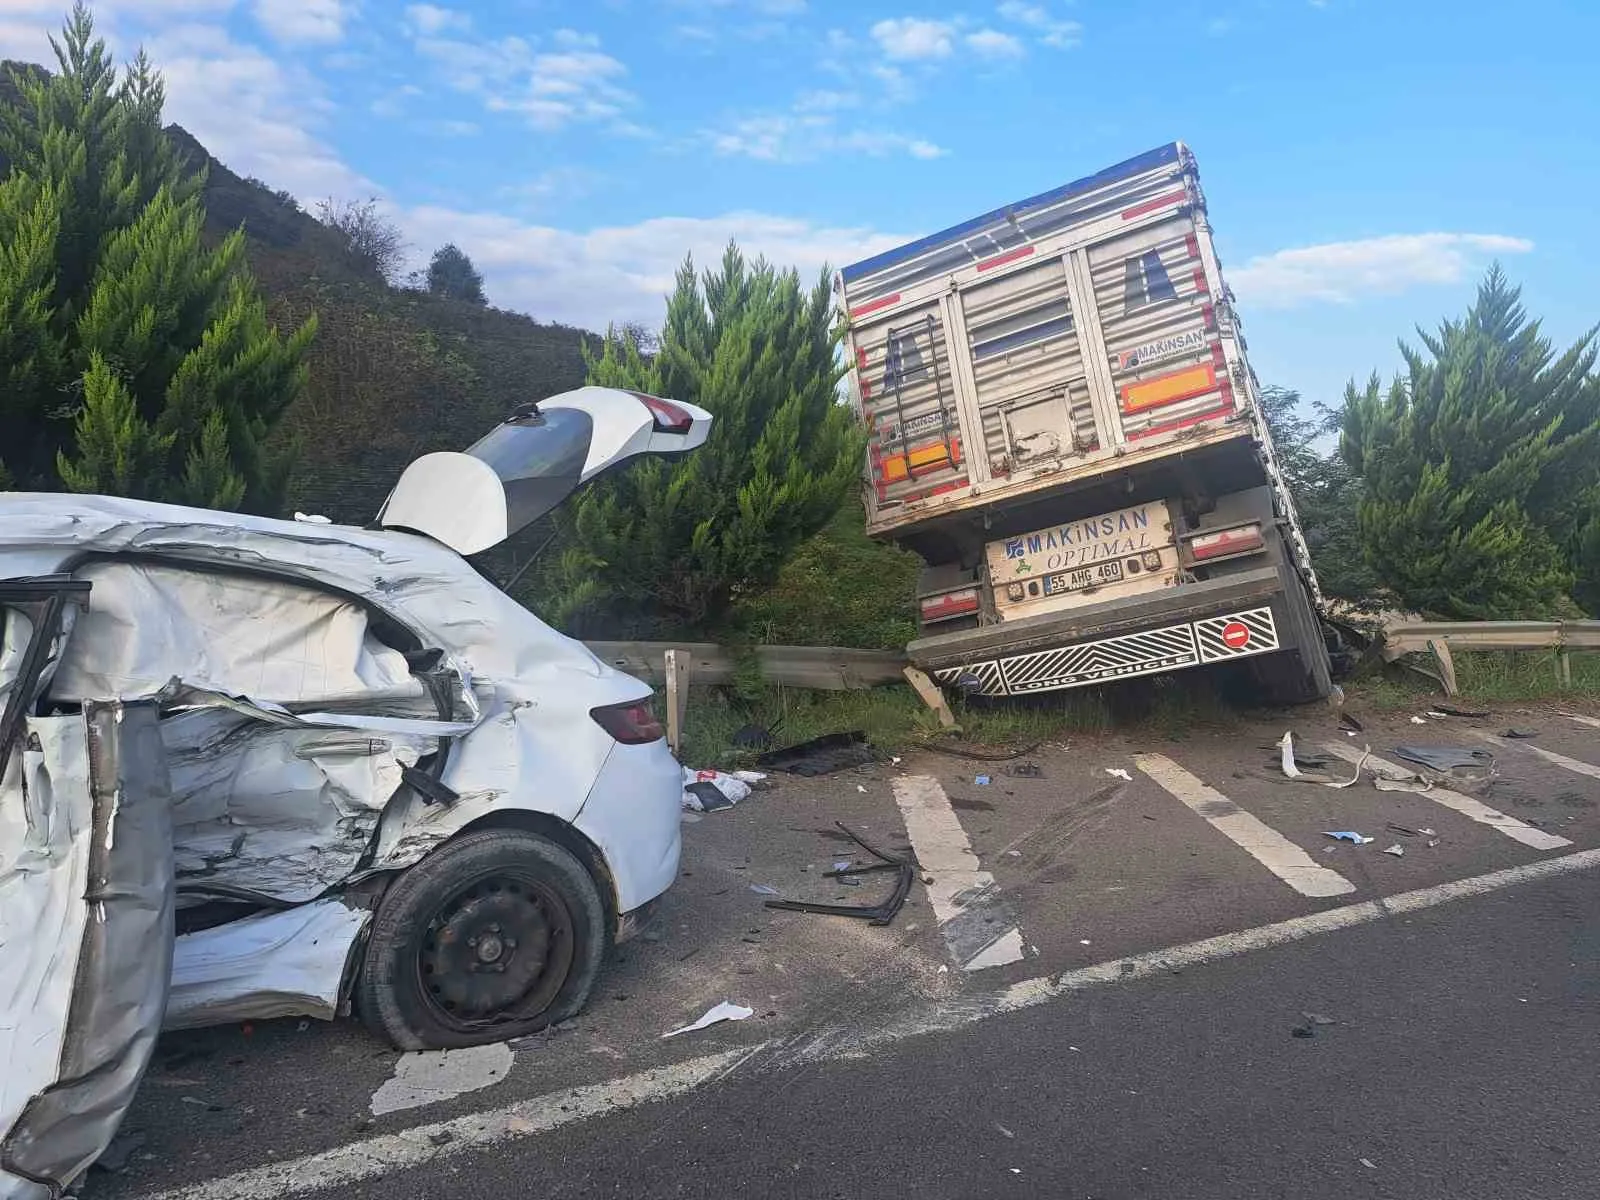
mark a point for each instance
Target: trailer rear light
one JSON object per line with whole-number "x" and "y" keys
{"x": 668, "y": 416}
{"x": 1246, "y": 539}
{"x": 1152, "y": 560}
{"x": 632, "y": 723}
{"x": 949, "y": 604}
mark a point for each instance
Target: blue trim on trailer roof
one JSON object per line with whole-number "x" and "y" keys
{"x": 1169, "y": 153}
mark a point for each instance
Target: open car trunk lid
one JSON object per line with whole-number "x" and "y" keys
{"x": 86, "y": 903}
{"x": 526, "y": 466}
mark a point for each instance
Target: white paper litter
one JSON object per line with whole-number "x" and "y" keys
{"x": 708, "y": 791}
{"x": 721, "y": 1012}
{"x": 1119, "y": 773}
{"x": 1397, "y": 850}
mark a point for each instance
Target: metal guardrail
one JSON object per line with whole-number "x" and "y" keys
{"x": 830, "y": 668}
{"x": 1439, "y": 637}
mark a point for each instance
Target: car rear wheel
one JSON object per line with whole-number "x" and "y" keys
{"x": 495, "y": 935}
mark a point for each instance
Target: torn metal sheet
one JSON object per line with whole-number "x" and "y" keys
{"x": 283, "y": 964}
{"x": 86, "y": 934}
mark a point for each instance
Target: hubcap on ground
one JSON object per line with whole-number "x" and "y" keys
{"x": 500, "y": 947}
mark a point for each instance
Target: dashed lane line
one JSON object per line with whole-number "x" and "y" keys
{"x": 1265, "y": 844}
{"x": 1574, "y": 765}
{"x": 975, "y": 919}
{"x": 1467, "y": 806}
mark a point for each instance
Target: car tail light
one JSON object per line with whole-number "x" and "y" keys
{"x": 669, "y": 417}
{"x": 949, "y": 604}
{"x": 1245, "y": 539}
{"x": 633, "y": 723}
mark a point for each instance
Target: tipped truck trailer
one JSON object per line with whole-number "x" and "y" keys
{"x": 1066, "y": 428}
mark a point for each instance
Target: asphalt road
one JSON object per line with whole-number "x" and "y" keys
{"x": 1155, "y": 917}
{"x": 1462, "y": 1063}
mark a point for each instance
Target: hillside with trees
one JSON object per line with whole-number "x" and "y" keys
{"x": 390, "y": 373}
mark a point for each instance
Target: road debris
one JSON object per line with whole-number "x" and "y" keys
{"x": 1027, "y": 770}
{"x": 821, "y": 755}
{"x": 874, "y": 914}
{"x": 1403, "y": 830}
{"x": 1397, "y": 850}
{"x": 1119, "y": 773}
{"x": 981, "y": 780}
{"x": 1418, "y": 721}
{"x": 1519, "y": 734}
{"x": 1469, "y": 713}
{"x": 710, "y": 791}
{"x": 1004, "y": 1132}
{"x": 1347, "y": 835}
{"x": 1318, "y": 1018}
{"x": 1310, "y": 768}
{"x": 718, "y": 1013}
{"x": 1368, "y": 1163}
{"x": 1304, "y": 1031}
{"x": 762, "y": 889}
{"x": 1445, "y": 759}
{"x": 1349, "y": 723}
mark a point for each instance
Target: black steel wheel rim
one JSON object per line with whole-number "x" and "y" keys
{"x": 497, "y": 949}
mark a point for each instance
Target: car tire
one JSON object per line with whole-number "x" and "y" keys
{"x": 495, "y": 935}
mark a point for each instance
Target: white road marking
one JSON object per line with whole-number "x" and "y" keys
{"x": 1592, "y": 722}
{"x": 1467, "y": 806}
{"x": 432, "y": 1076}
{"x": 385, "y": 1154}
{"x": 960, "y": 887}
{"x": 1560, "y": 760}
{"x": 1265, "y": 844}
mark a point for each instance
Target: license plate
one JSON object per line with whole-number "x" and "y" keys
{"x": 1084, "y": 577}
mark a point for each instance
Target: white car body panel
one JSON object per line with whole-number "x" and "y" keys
{"x": 300, "y": 670}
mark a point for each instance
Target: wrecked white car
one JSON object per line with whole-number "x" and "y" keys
{"x": 254, "y": 768}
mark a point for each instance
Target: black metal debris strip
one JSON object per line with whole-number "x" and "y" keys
{"x": 874, "y": 914}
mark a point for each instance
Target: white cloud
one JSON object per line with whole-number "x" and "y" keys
{"x": 577, "y": 84}
{"x": 251, "y": 112}
{"x": 909, "y": 39}
{"x": 304, "y": 20}
{"x": 429, "y": 20}
{"x": 1218, "y": 26}
{"x": 1049, "y": 29}
{"x": 825, "y": 100}
{"x": 807, "y": 136}
{"x": 477, "y": 66}
{"x": 992, "y": 44}
{"x": 623, "y": 273}
{"x": 1340, "y": 272}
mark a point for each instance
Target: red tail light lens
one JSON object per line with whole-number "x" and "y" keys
{"x": 1246, "y": 539}
{"x": 669, "y": 417}
{"x": 949, "y": 604}
{"x": 633, "y": 723}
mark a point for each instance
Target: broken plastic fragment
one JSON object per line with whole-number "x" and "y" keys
{"x": 762, "y": 889}
{"x": 981, "y": 781}
{"x": 1119, "y": 773}
{"x": 1397, "y": 850}
{"x": 1286, "y": 744}
{"x": 721, "y": 1012}
{"x": 1347, "y": 835}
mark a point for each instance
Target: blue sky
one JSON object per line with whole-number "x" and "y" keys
{"x": 1364, "y": 159}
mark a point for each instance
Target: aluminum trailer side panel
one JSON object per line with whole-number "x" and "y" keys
{"x": 1083, "y": 331}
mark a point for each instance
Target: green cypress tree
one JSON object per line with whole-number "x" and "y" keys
{"x": 134, "y": 358}
{"x": 1480, "y": 466}
{"x": 663, "y": 546}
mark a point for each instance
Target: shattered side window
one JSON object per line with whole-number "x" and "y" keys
{"x": 35, "y": 617}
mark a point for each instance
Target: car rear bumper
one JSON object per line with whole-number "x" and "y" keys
{"x": 1215, "y": 620}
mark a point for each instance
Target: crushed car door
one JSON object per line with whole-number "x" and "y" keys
{"x": 86, "y": 902}
{"x": 534, "y": 460}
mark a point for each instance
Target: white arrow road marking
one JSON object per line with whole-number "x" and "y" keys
{"x": 1262, "y": 842}
{"x": 975, "y": 920}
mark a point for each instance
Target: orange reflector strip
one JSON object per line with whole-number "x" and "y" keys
{"x": 897, "y": 468}
{"x": 1169, "y": 389}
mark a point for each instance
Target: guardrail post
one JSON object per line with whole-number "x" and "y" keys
{"x": 678, "y": 665}
{"x": 1564, "y": 666}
